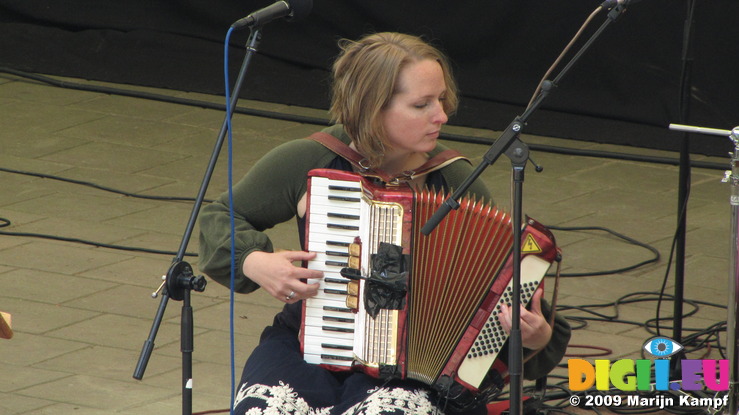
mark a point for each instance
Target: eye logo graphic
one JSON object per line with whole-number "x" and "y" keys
{"x": 662, "y": 347}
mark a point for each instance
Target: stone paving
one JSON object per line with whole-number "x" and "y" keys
{"x": 81, "y": 312}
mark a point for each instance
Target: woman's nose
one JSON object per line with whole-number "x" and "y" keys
{"x": 440, "y": 116}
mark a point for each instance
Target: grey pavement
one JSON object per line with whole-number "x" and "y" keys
{"x": 81, "y": 312}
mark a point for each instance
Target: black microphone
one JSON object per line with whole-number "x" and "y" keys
{"x": 295, "y": 10}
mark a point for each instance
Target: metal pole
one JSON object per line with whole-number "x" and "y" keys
{"x": 731, "y": 177}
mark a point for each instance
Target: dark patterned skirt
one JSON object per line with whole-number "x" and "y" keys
{"x": 276, "y": 380}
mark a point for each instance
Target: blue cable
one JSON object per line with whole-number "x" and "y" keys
{"x": 231, "y": 217}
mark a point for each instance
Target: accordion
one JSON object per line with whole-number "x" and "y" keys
{"x": 395, "y": 303}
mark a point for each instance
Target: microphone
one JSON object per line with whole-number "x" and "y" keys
{"x": 295, "y": 10}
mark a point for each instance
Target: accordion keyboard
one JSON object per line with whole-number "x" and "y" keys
{"x": 334, "y": 223}
{"x": 340, "y": 219}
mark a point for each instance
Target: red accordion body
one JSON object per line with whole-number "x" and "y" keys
{"x": 397, "y": 303}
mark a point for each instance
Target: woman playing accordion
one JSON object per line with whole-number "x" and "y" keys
{"x": 391, "y": 95}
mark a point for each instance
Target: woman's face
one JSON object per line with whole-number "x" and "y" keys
{"x": 415, "y": 114}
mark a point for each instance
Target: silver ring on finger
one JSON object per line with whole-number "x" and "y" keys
{"x": 290, "y": 296}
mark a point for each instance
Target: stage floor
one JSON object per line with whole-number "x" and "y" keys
{"x": 81, "y": 313}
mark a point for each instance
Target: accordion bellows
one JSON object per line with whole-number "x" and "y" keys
{"x": 442, "y": 327}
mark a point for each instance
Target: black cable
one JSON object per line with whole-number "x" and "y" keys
{"x": 654, "y": 251}
{"x": 625, "y": 299}
{"x": 6, "y": 223}
{"x": 170, "y": 198}
{"x": 65, "y": 84}
{"x": 320, "y": 121}
{"x": 712, "y": 331}
{"x": 325, "y": 121}
{"x": 164, "y": 98}
{"x": 188, "y": 199}
{"x": 707, "y": 339}
{"x": 603, "y": 351}
{"x": 99, "y": 187}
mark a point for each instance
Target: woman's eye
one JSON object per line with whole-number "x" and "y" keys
{"x": 426, "y": 104}
{"x": 662, "y": 347}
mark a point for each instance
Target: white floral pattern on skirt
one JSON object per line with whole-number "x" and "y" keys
{"x": 282, "y": 399}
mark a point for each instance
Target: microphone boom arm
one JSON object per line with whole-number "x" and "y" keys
{"x": 509, "y": 143}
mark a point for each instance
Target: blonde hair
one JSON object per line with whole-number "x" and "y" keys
{"x": 365, "y": 78}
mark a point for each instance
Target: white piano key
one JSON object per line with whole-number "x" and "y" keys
{"x": 320, "y": 302}
{"x": 316, "y": 342}
{"x": 331, "y": 294}
{"x": 323, "y": 228}
{"x": 324, "y": 242}
{"x": 319, "y": 332}
{"x": 328, "y": 324}
{"x": 313, "y": 312}
{"x": 335, "y": 251}
{"x": 328, "y": 285}
{"x": 318, "y": 183}
{"x": 316, "y": 359}
{"x": 326, "y": 206}
{"x": 321, "y": 265}
{"x": 318, "y": 350}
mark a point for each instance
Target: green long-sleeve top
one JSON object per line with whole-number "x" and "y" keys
{"x": 269, "y": 195}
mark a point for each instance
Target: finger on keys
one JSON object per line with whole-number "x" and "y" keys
{"x": 536, "y": 301}
{"x": 504, "y": 317}
{"x": 298, "y": 255}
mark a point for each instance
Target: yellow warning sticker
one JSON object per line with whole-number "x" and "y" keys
{"x": 530, "y": 246}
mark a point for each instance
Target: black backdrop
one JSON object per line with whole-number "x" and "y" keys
{"x": 624, "y": 90}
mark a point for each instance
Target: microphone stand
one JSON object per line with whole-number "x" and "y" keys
{"x": 732, "y": 319}
{"x": 179, "y": 280}
{"x": 517, "y": 151}
{"x": 684, "y": 174}
{"x": 732, "y": 177}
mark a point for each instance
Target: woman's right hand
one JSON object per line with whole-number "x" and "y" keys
{"x": 276, "y": 273}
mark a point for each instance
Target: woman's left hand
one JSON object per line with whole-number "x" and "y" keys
{"x": 535, "y": 330}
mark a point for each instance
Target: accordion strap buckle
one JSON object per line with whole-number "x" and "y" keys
{"x": 364, "y": 164}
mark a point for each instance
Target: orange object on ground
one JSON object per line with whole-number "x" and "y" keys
{"x": 6, "y": 330}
